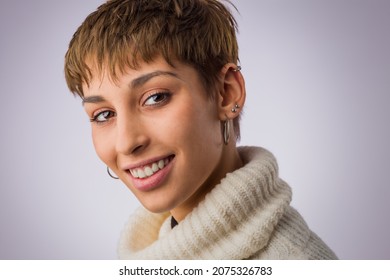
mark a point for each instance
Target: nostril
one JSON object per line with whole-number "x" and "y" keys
{"x": 137, "y": 149}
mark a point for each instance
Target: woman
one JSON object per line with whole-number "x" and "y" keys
{"x": 160, "y": 83}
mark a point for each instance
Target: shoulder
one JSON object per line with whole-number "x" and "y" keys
{"x": 292, "y": 239}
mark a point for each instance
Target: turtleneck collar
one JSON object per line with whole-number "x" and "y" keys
{"x": 234, "y": 221}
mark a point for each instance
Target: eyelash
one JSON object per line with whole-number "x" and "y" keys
{"x": 95, "y": 117}
{"x": 164, "y": 95}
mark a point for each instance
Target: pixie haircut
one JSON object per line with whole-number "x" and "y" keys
{"x": 122, "y": 33}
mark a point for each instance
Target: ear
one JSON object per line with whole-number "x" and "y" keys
{"x": 231, "y": 95}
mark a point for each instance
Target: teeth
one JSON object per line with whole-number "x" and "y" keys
{"x": 155, "y": 167}
{"x": 161, "y": 164}
{"x": 141, "y": 173}
{"x": 134, "y": 173}
{"x": 149, "y": 170}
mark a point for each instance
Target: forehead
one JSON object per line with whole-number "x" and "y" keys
{"x": 104, "y": 78}
{"x": 106, "y": 73}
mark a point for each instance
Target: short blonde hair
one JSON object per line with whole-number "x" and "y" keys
{"x": 120, "y": 33}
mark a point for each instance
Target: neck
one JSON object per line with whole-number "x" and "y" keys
{"x": 230, "y": 161}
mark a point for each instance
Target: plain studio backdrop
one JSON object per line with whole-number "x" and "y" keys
{"x": 318, "y": 97}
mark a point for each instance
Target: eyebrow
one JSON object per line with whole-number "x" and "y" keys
{"x": 93, "y": 99}
{"x": 144, "y": 78}
{"x": 136, "y": 83}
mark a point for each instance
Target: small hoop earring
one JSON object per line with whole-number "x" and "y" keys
{"x": 112, "y": 176}
{"x": 226, "y": 131}
{"x": 235, "y": 108}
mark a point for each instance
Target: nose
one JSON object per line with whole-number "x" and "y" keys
{"x": 131, "y": 135}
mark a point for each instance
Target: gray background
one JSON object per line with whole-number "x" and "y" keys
{"x": 318, "y": 85}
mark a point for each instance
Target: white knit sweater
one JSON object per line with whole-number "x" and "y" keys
{"x": 246, "y": 216}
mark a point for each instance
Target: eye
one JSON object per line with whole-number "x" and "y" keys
{"x": 103, "y": 116}
{"x": 157, "y": 99}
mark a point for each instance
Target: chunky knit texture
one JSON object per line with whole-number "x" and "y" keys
{"x": 246, "y": 216}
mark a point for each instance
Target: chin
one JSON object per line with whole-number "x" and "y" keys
{"x": 159, "y": 207}
{"x": 157, "y": 210}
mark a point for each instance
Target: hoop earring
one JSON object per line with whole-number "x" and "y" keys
{"x": 112, "y": 176}
{"x": 226, "y": 131}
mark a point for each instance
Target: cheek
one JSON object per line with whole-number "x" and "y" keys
{"x": 204, "y": 126}
{"x": 104, "y": 146}
{"x": 189, "y": 124}
{"x": 195, "y": 132}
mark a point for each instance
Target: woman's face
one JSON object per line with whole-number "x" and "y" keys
{"x": 158, "y": 131}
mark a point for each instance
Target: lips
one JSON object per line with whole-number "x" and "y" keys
{"x": 150, "y": 169}
{"x": 150, "y": 175}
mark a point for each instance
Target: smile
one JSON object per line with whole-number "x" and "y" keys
{"x": 150, "y": 169}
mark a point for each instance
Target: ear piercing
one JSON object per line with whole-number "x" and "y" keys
{"x": 226, "y": 126}
{"x": 235, "y": 108}
{"x": 226, "y": 131}
{"x": 237, "y": 69}
{"x": 112, "y": 176}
